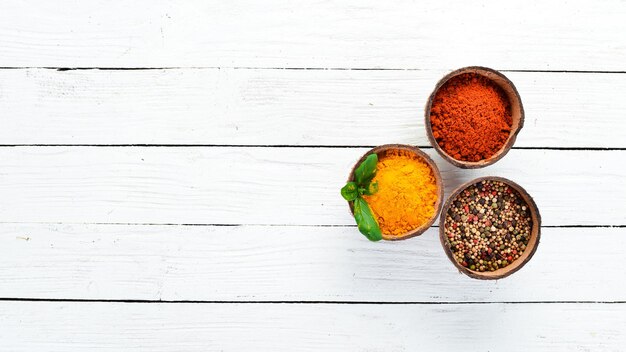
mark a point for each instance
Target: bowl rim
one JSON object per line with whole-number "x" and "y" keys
{"x": 438, "y": 180}
{"x": 480, "y": 70}
{"x": 528, "y": 253}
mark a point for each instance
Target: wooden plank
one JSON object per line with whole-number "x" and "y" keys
{"x": 574, "y": 35}
{"x": 286, "y": 107}
{"x": 297, "y": 186}
{"x": 277, "y": 263}
{"x": 29, "y": 326}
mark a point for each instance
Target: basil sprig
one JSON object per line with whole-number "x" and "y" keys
{"x": 365, "y": 220}
{"x": 366, "y": 171}
{"x": 354, "y": 191}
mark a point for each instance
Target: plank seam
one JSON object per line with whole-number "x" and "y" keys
{"x": 312, "y": 146}
{"x": 142, "y": 301}
{"x": 63, "y": 69}
{"x": 255, "y": 225}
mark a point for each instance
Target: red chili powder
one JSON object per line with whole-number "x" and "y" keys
{"x": 470, "y": 117}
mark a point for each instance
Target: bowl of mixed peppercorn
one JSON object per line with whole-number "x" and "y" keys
{"x": 490, "y": 228}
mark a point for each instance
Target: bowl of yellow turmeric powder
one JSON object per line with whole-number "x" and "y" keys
{"x": 408, "y": 192}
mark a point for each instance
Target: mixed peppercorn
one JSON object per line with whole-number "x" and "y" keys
{"x": 488, "y": 226}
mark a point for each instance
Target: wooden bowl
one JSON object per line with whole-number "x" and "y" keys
{"x": 380, "y": 150}
{"x": 518, "y": 263}
{"x": 517, "y": 114}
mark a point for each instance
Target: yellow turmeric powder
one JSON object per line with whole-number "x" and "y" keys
{"x": 407, "y": 192}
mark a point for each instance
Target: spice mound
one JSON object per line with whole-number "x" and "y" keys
{"x": 470, "y": 117}
{"x": 488, "y": 226}
{"x": 407, "y": 192}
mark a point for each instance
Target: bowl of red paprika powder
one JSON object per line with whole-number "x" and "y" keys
{"x": 473, "y": 117}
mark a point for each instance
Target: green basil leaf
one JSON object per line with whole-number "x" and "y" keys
{"x": 365, "y": 220}
{"x": 371, "y": 189}
{"x": 349, "y": 192}
{"x": 366, "y": 171}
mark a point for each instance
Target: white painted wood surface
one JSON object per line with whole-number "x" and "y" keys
{"x": 117, "y": 180}
{"x": 272, "y": 186}
{"x": 296, "y": 263}
{"x": 520, "y": 35}
{"x": 285, "y": 107}
{"x": 54, "y": 326}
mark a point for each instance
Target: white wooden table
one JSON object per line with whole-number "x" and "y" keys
{"x": 170, "y": 175}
